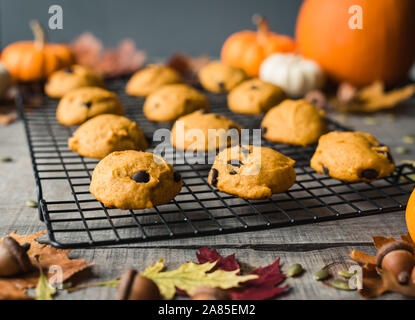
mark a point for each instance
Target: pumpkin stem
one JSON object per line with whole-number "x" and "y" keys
{"x": 262, "y": 25}
{"x": 38, "y": 33}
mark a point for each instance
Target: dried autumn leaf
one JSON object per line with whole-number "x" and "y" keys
{"x": 228, "y": 263}
{"x": 362, "y": 257}
{"x": 90, "y": 52}
{"x": 190, "y": 276}
{"x": 48, "y": 256}
{"x": 407, "y": 238}
{"x": 44, "y": 291}
{"x": 374, "y": 98}
{"x": 10, "y": 291}
{"x": 264, "y": 287}
{"x": 380, "y": 241}
{"x": 372, "y": 283}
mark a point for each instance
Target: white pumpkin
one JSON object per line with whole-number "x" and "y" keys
{"x": 5, "y": 80}
{"x": 295, "y": 74}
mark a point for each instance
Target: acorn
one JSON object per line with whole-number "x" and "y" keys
{"x": 132, "y": 286}
{"x": 398, "y": 258}
{"x": 13, "y": 258}
{"x": 208, "y": 293}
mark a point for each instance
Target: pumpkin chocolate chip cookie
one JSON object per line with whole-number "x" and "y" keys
{"x": 254, "y": 97}
{"x": 294, "y": 122}
{"x": 149, "y": 79}
{"x": 218, "y": 77}
{"x": 352, "y": 157}
{"x": 173, "y": 101}
{"x": 65, "y": 80}
{"x": 82, "y": 104}
{"x": 252, "y": 172}
{"x": 201, "y": 131}
{"x": 134, "y": 180}
{"x": 107, "y": 133}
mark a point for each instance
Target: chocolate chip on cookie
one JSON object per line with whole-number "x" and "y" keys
{"x": 82, "y": 104}
{"x": 352, "y": 157}
{"x": 214, "y": 174}
{"x": 134, "y": 180}
{"x": 65, "y": 80}
{"x": 218, "y": 77}
{"x": 141, "y": 177}
{"x": 254, "y": 97}
{"x": 262, "y": 173}
{"x": 177, "y": 177}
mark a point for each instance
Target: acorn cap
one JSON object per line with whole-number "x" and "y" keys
{"x": 18, "y": 253}
{"x": 389, "y": 247}
{"x": 125, "y": 284}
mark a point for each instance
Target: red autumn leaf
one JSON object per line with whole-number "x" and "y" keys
{"x": 228, "y": 263}
{"x": 262, "y": 288}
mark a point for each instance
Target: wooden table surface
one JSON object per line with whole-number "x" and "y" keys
{"x": 313, "y": 245}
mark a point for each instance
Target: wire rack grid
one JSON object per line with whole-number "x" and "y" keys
{"x": 75, "y": 219}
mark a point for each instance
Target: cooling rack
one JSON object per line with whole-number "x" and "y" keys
{"x": 74, "y": 219}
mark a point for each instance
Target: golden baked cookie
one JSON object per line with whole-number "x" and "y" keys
{"x": 204, "y": 131}
{"x": 173, "y": 101}
{"x": 62, "y": 81}
{"x": 254, "y": 97}
{"x": 149, "y": 79}
{"x": 134, "y": 180}
{"x": 106, "y": 133}
{"x": 296, "y": 122}
{"x": 219, "y": 78}
{"x": 352, "y": 156}
{"x": 82, "y": 104}
{"x": 252, "y": 172}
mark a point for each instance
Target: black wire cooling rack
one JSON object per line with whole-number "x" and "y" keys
{"x": 75, "y": 219}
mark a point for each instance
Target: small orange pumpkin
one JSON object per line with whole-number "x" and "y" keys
{"x": 384, "y": 49}
{"x": 410, "y": 215}
{"x": 35, "y": 60}
{"x": 247, "y": 49}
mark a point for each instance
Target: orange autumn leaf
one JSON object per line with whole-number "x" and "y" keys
{"x": 374, "y": 98}
{"x": 380, "y": 241}
{"x": 362, "y": 257}
{"x": 373, "y": 285}
{"x": 407, "y": 238}
{"x": 10, "y": 291}
{"x": 47, "y": 256}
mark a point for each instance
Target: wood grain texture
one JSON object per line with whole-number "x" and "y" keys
{"x": 311, "y": 245}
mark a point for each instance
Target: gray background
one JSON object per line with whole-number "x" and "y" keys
{"x": 161, "y": 27}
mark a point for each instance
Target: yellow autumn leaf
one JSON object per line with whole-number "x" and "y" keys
{"x": 190, "y": 276}
{"x": 374, "y": 97}
{"x": 44, "y": 291}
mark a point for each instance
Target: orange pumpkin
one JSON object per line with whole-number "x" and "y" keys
{"x": 247, "y": 49}
{"x": 410, "y": 215}
{"x": 384, "y": 49}
{"x": 35, "y": 60}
